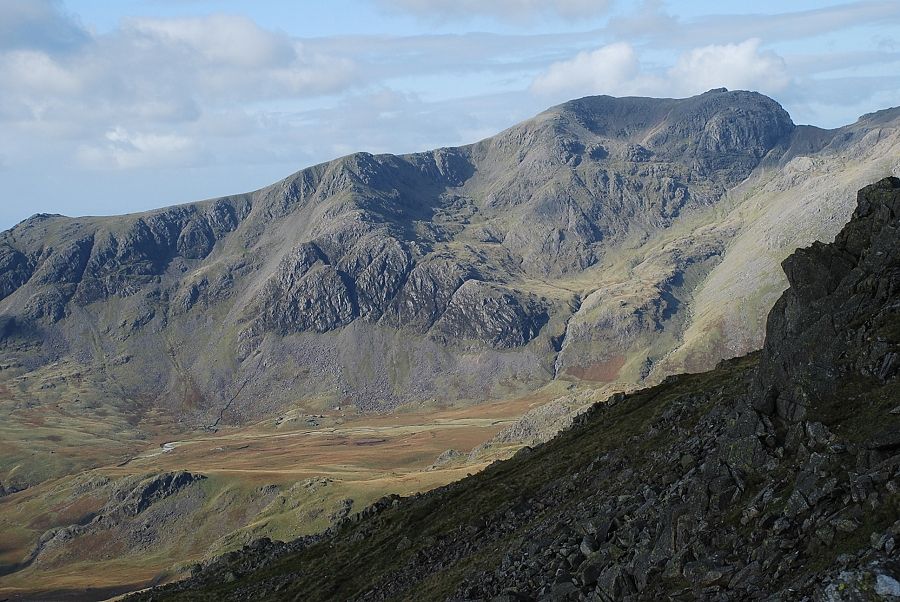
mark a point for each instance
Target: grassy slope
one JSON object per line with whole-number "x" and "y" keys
{"x": 313, "y": 467}
{"x": 360, "y": 556}
{"x": 777, "y": 211}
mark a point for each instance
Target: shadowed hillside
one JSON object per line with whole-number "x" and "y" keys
{"x": 774, "y": 476}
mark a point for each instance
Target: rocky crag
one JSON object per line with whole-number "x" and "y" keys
{"x": 593, "y": 242}
{"x": 775, "y": 476}
{"x": 123, "y": 523}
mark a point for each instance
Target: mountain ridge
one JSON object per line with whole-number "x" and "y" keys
{"x": 378, "y": 280}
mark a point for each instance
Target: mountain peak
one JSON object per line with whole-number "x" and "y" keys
{"x": 608, "y": 115}
{"x": 719, "y": 135}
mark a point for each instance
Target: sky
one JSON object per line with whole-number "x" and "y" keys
{"x": 115, "y": 106}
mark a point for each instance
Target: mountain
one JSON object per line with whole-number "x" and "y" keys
{"x": 264, "y": 364}
{"x": 607, "y": 239}
{"x": 774, "y": 476}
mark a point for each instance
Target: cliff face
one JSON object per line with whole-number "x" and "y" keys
{"x": 574, "y": 245}
{"x": 837, "y": 324}
{"x": 775, "y": 476}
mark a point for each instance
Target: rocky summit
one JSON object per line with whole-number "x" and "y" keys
{"x": 594, "y": 242}
{"x": 775, "y": 476}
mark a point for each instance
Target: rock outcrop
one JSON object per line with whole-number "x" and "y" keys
{"x": 838, "y": 320}
{"x": 134, "y": 517}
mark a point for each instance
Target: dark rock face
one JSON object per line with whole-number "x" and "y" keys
{"x": 427, "y": 293}
{"x": 374, "y": 281}
{"x": 378, "y": 267}
{"x": 121, "y": 263}
{"x": 682, "y": 491}
{"x": 305, "y": 294}
{"x": 14, "y": 270}
{"x": 484, "y": 312}
{"x": 839, "y": 320}
{"x": 149, "y": 491}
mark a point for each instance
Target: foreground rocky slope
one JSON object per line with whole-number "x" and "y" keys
{"x": 775, "y": 476}
{"x": 375, "y": 281}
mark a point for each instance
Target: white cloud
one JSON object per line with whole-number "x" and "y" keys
{"x": 616, "y": 70}
{"x": 512, "y": 10}
{"x": 37, "y": 72}
{"x": 128, "y": 150}
{"x": 611, "y": 69}
{"x": 223, "y": 58}
{"x": 117, "y": 97}
{"x": 740, "y": 66}
{"x": 217, "y": 39}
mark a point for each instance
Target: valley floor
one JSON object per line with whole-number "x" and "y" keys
{"x": 280, "y": 478}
